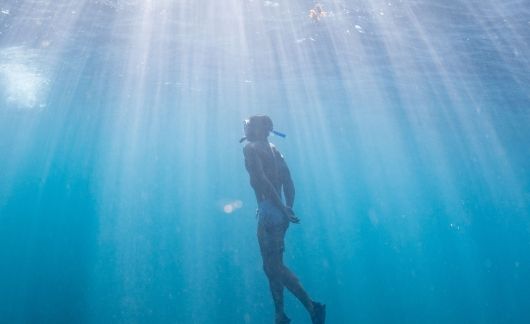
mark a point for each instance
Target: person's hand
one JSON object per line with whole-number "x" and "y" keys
{"x": 291, "y": 216}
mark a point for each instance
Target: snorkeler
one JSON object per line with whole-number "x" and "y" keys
{"x": 317, "y": 12}
{"x": 268, "y": 175}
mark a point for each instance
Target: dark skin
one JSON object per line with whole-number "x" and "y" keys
{"x": 259, "y": 155}
{"x": 269, "y": 174}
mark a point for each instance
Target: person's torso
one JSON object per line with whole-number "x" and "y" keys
{"x": 270, "y": 160}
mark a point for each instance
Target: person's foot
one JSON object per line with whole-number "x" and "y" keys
{"x": 282, "y": 319}
{"x": 319, "y": 313}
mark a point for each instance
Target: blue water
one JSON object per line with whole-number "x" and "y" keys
{"x": 123, "y": 194}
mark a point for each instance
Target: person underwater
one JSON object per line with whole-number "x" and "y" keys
{"x": 317, "y": 12}
{"x": 269, "y": 176}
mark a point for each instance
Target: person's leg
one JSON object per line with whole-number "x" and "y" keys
{"x": 272, "y": 247}
{"x": 291, "y": 282}
{"x": 271, "y": 241}
{"x": 288, "y": 278}
{"x": 317, "y": 311}
{"x": 270, "y": 266}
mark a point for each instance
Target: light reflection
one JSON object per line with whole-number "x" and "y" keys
{"x": 23, "y": 82}
{"x": 232, "y": 206}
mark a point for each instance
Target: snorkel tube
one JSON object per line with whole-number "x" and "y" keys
{"x": 282, "y": 135}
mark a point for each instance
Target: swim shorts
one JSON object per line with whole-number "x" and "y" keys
{"x": 272, "y": 225}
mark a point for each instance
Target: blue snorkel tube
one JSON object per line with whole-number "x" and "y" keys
{"x": 282, "y": 135}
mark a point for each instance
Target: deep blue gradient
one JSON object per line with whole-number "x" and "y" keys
{"x": 123, "y": 194}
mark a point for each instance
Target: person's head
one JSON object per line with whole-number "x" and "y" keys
{"x": 258, "y": 128}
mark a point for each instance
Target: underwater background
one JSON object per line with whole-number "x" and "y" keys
{"x": 123, "y": 193}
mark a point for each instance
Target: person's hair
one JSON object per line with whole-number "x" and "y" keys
{"x": 258, "y": 127}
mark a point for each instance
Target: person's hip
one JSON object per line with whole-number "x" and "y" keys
{"x": 270, "y": 215}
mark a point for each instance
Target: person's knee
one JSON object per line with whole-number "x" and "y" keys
{"x": 267, "y": 268}
{"x": 271, "y": 269}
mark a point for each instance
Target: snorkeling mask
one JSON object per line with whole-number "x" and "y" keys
{"x": 259, "y": 123}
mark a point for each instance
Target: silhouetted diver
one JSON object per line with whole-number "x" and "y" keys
{"x": 268, "y": 175}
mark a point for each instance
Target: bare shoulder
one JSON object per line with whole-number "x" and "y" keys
{"x": 249, "y": 148}
{"x": 276, "y": 151}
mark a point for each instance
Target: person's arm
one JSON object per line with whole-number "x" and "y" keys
{"x": 258, "y": 179}
{"x": 288, "y": 185}
{"x": 285, "y": 178}
{"x": 288, "y": 188}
